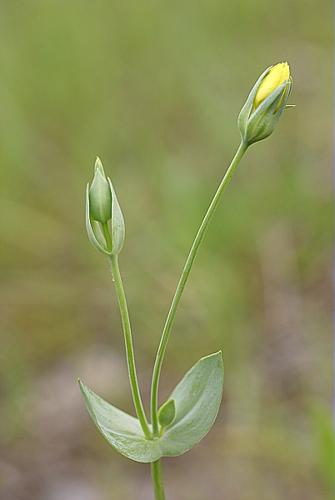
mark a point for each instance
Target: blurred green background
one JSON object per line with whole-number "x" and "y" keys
{"x": 154, "y": 88}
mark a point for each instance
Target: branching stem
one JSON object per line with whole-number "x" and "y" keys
{"x": 128, "y": 339}
{"x": 182, "y": 282}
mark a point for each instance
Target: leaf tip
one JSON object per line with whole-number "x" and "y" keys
{"x": 217, "y": 354}
{"x": 82, "y": 387}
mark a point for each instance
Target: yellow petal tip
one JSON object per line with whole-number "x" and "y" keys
{"x": 277, "y": 75}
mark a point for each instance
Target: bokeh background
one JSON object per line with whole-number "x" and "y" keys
{"x": 154, "y": 88}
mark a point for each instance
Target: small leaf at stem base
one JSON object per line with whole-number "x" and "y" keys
{"x": 167, "y": 413}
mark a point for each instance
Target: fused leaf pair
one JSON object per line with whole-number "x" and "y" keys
{"x": 185, "y": 418}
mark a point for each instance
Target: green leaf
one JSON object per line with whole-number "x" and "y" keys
{"x": 121, "y": 430}
{"x": 198, "y": 397}
{"x": 197, "y": 400}
{"x": 167, "y": 413}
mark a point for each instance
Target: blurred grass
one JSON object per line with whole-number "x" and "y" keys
{"x": 155, "y": 88}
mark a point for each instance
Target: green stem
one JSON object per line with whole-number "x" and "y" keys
{"x": 157, "y": 479}
{"x": 182, "y": 282}
{"x": 121, "y": 297}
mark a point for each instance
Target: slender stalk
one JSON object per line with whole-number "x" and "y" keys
{"x": 157, "y": 479}
{"x": 182, "y": 282}
{"x": 128, "y": 339}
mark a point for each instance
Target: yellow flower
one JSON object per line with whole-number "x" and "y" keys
{"x": 277, "y": 75}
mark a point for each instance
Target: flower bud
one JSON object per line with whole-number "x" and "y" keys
{"x": 100, "y": 195}
{"x": 104, "y": 219}
{"x": 265, "y": 104}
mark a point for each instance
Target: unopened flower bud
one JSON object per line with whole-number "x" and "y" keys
{"x": 265, "y": 104}
{"x": 100, "y": 195}
{"x": 104, "y": 219}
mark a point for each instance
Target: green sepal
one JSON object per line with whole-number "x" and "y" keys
{"x": 197, "y": 400}
{"x": 116, "y": 223}
{"x": 100, "y": 195}
{"x": 93, "y": 228}
{"x": 245, "y": 112}
{"x": 264, "y": 119}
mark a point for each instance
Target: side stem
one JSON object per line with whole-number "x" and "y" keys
{"x": 182, "y": 282}
{"x": 128, "y": 339}
{"x": 157, "y": 479}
